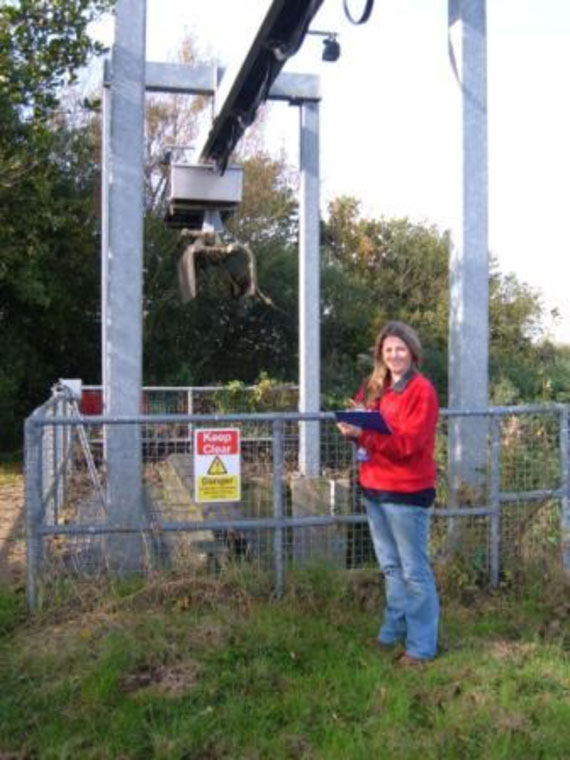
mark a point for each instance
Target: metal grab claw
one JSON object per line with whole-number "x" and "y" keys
{"x": 207, "y": 250}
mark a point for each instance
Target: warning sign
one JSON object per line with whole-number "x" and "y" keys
{"x": 217, "y": 465}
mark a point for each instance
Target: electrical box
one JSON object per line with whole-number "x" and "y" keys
{"x": 195, "y": 189}
{"x": 73, "y": 386}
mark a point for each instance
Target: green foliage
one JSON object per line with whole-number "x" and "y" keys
{"x": 553, "y": 373}
{"x": 519, "y": 352}
{"x": 214, "y": 339}
{"x": 42, "y": 45}
{"x": 268, "y": 211}
{"x": 377, "y": 269}
{"x": 49, "y": 281}
{"x": 265, "y": 395}
{"x": 48, "y": 179}
{"x": 12, "y": 609}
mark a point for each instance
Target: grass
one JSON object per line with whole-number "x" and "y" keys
{"x": 11, "y": 468}
{"x": 203, "y": 668}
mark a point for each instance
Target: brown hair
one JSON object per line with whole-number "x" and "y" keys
{"x": 380, "y": 376}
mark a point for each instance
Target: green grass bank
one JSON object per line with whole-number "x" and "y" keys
{"x": 209, "y": 668}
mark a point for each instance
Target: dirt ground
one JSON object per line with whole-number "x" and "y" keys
{"x": 12, "y": 527}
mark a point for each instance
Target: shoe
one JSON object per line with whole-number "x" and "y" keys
{"x": 407, "y": 661}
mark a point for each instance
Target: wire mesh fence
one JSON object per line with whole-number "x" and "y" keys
{"x": 297, "y": 497}
{"x": 266, "y": 395}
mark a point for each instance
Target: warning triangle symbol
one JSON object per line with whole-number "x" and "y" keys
{"x": 217, "y": 467}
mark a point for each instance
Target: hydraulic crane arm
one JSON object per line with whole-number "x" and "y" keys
{"x": 198, "y": 194}
{"x": 246, "y": 86}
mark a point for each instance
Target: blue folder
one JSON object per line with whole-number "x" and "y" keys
{"x": 365, "y": 420}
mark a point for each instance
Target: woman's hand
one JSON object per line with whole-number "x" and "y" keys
{"x": 349, "y": 431}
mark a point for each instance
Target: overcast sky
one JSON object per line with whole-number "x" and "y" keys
{"x": 391, "y": 116}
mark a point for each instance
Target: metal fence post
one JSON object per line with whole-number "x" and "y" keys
{"x": 565, "y": 486}
{"x": 54, "y": 466}
{"x": 67, "y": 447}
{"x": 495, "y": 504}
{"x": 190, "y": 410}
{"x": 33, "y": 469}
{"x": 278, "y": 506}
{"x": 59, "y": 460}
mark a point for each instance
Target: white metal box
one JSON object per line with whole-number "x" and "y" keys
{"x": 196, "y": 188}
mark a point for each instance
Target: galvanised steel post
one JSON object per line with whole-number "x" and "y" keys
{"x": 105, "y": 211}
{"x": 53, "y": 479}
{"x": 34, "y": 509}
{"x": 565, "y": 487}
{"x": 309, "y": 288}
{"x": 495, "y": 503}
{"x": 122, "y": 270}
{"x": 469, "y": 261}
{"x": 47, "y": 462}
{"x": 59, "y": 461}
{"x": 278, "y": 505}
{"x": 67, "y": 447}
{"x": 190, "y": 410}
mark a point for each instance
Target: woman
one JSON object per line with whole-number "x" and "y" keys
{"x": 397, "y": 474}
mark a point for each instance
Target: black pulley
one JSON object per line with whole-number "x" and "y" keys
{"x": 365, "y": 13}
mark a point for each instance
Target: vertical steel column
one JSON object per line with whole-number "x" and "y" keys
{"x": 105, "y": 210}
{"x": 495, "y": 503}
{"x": 67, "y": 447}
{"x": 59, "y": 462}
{"x": 123, "y": 266}
{"x": 565, "y": 487}
{"x": 51, "y": 513}
{"x": 309, "y": 289}
{"x": 469, "y": 261}
{"x": 278, "y": 506}
{"x": 33, "y": 469}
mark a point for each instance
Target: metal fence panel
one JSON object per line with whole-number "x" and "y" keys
{"x": 284, "y": 518}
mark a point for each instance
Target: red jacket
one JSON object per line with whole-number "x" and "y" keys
{"x": 403, "y": 461}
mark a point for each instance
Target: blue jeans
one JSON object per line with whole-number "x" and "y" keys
{"x": 400, "y": 536}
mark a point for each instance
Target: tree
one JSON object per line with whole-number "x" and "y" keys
{"x": 49, "y": 321}
{"x": 42, "y": 46}
{"x": 516, "y": 315}
{"x": 375, "y": 270}
{"x": 171, "y": 127}
{"x": 214, "y": 338}
{"x": 49, "y": 233}
{"x": 205, "y": 341}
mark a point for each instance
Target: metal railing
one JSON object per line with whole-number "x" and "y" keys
{"x": 518, "y": 510}
{"x": 203, "y": 399}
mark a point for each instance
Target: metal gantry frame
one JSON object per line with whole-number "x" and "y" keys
{"x": 122, "y": 274}
{"x": 127, "y": 77}
{"x": 468, "y": 353}
{"x": 126, "y": 80}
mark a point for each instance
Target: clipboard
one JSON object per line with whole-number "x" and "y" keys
{"x": 365, "y": 420}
